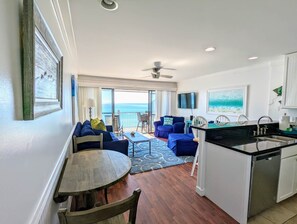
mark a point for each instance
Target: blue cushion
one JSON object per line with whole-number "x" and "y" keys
{"x": 77, "y": 130}
{"x": 106, "y": 135}
{"x": 86, "y": 131}
{"x": 178, "y": 119}
{"x": 87, "y": 123}
{"x": 166, "y": 128}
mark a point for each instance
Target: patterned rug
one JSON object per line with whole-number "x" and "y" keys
{"x": 161, "y": 157}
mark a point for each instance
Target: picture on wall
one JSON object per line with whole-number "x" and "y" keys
{"x": 227, "y": 101}
{"x": 42, "y": 65}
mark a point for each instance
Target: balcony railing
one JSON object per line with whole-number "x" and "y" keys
{"x": 127, "y": 120}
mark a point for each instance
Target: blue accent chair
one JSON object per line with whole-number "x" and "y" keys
{"x": 162, "y": 131}
{"x": 110, "y": 141}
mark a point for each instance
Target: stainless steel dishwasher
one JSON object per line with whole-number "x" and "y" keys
{"x": 264, "y": 182}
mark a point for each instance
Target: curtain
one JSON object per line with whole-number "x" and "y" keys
{"x": 165, "y": 103}
{"x": 89, "y": 97}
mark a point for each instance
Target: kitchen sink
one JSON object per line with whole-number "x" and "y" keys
{"x": 275, "y": 138}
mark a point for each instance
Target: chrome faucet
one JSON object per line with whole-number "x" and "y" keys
{"x": 258, "y": 125}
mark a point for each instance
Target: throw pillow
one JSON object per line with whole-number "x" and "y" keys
{"x": 168, "y": 121}
{"x": 86, "y": 131}
{"x": 98, "y": 124}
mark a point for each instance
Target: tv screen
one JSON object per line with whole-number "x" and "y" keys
{"x": 186, "y": 100}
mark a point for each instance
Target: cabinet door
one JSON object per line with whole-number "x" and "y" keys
{"x": 287, "y": 178}
{"x": 290, "y": 81}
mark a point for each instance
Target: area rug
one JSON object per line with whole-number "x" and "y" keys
{"x": 161, "y": 157}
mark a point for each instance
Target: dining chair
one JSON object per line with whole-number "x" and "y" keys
{"x": 222, "y": 120}
{"x": 143, "y": 120}
{"x": 242, "y": 119}
{"x": 88, "y": 138}
{"x": 198, "y": 121}
{"x": 106, "y": 214}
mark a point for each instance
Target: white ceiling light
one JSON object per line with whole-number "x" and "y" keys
{"x": 109, "y": 5}
{"x": 253, "y": 58}
{"x": 209, "y": 49}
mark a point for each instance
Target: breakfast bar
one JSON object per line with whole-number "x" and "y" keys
{"x": 234, "y": 162}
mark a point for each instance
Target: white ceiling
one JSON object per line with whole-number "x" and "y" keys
{"x": 123, "y": 42}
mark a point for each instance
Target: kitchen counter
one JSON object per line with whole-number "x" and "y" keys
{"x": 226, "y": 152}
{"x": 239, "y": 137}
{"x": 252, "y": 146}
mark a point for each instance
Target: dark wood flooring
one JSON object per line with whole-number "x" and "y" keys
{"x": 168, "y": 196}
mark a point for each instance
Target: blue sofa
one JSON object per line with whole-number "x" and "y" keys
{"x": 182, "y": 144}
{"x": 163, "y": 131}
{"x": 110, "y": 141}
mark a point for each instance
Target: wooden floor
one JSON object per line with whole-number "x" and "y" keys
{"x": 168, "y": 196}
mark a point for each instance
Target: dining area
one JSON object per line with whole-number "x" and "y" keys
{"x": 84, "y": 176}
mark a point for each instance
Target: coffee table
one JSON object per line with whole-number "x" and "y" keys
{"x": 137, "y": 138}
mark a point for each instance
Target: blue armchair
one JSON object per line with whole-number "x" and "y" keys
{"x": 161, "y": 130}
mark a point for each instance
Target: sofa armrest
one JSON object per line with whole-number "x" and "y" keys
{"x": 157, "y": 123}
{"x": 119, "y": 146}
{"x": 179, "y": 127}
{"x": 109, "y": 128}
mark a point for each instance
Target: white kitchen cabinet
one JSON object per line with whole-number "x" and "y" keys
{"x": 287, "y": 185}
{"x": 289, "y": 99}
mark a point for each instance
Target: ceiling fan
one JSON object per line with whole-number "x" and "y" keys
{"x": 156, "y": 70}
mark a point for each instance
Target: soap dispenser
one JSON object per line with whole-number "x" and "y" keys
{"x": 284, "y": 122}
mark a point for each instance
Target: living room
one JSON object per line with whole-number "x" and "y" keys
{"x": 32, "y": 152}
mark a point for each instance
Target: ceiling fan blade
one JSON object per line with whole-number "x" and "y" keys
{"x": 166, "y": 76}
{"x": 168, "y": 68}
{"x": 147, "y": 76}
{"x": 147, "y": 69}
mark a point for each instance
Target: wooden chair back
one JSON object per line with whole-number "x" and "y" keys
{"x": 88, "y": 138}
{"x": 109, "y": 213}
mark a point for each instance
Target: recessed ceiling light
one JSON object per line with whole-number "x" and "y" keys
{"x": 209, "y": 49}
{"x": 109, "y": 5}
{"x": 253, "y": 58}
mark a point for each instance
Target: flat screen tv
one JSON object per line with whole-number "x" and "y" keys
{"x": 186, "y": 100}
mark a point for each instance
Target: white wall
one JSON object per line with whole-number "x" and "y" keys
{"x": 29, "y": 150}
{"x": 256, "y": 77}
{"x": 276, "y": 80}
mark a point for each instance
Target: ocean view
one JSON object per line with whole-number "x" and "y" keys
{"x": 128, "y": 112}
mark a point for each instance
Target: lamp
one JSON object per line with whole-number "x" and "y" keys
{"x": 109, "y": 5}
{"x": 91, "y": 104}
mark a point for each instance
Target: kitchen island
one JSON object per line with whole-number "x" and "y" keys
{"x": 227, "y": 153}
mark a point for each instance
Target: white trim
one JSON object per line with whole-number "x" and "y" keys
{"x": 51, "y": 185}
{"x": 108, "y": 82}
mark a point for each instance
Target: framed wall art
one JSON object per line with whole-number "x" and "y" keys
{"x": 227, "y": 101}
{"x": 42, "y": 65}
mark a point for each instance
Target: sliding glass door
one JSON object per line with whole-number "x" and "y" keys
{"x": 126, "y": 106}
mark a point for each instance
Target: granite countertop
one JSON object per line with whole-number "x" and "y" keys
{"x": 230, "y": 125}
{"x": 252, "y": 145}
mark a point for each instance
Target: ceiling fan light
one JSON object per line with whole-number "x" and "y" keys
{"x": 253, "y": 58}
{"x": 109, "y": 5}
{"x": 209, "y": 49}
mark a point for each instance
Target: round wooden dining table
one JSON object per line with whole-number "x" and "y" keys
{"x": 91, "y": 170}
